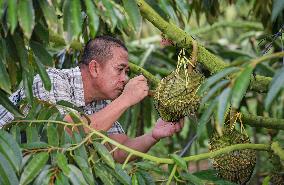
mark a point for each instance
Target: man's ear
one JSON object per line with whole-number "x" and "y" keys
{"x": 93, "y": 68}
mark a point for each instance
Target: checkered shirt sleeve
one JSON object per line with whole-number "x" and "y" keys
{"x": 67, "y": 85}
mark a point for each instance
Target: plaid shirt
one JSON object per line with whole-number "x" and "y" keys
{"x": 67, "y": 85}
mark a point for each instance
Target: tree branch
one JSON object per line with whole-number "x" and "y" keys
{"x": 206, "y": 58}
{"x": 260, "y": 121}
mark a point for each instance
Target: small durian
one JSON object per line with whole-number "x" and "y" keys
{"x": 236, "y": 166}
{"x": 175, "y": 97}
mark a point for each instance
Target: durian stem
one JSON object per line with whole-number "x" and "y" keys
{"x": 263, "y": 122}
{"x": 183, "y": 39}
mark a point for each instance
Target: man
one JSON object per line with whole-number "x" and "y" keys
{"x": 102, "y": 76}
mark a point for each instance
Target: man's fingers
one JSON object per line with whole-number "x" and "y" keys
{"x": 141, "y": 78}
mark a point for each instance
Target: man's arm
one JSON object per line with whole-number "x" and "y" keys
{"x": 145, "y": 142}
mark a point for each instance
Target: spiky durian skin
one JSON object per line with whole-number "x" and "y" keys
{"x": 174, "y": 98}
{"x": 277, "y": 179}
{"x": 236, "y": 166}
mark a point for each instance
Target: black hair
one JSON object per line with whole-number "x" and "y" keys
{"x": 100, "y": 49}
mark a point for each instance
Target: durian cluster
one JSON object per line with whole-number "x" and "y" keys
{"x": 176, "y": 94}
{"x": 236, "y": 166}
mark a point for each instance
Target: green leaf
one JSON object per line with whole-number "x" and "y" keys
{"x": 276, "y": 86}
{"x": 5, "y": 83}
{"x": 11, "y": 150}
{"x": 121, "y": 175}
{"x": 72, "y": 20}
{"x": 104, "y": 153}
{"x": 2, "y": 7}
{"x": 72, "y": 172}
{"x": 179, "y": 161}
{"x": 45, "y": 173}
{"x": 278, "y": 6}
{"x": 150, "y": 167}
{"x": 62, "y": 163}
{"x": 34, "y": 145}
{"x": 215, "y": 78}
{"x": 27, "y": 81}
{"x": 12, "y": 15}
{"x": 223, "y": 104}
{"x": 52, "y": 135}
{"x": 7, "y": 173}
{"x": 133, "y": 12}
{"x": 85, "y": 167}
{"x": 25, "y": 160}
{"x": 213, "y": 91}
{"x": 81, "y": 151}
{"x": 21, "y": 51}
{"x": 34, "y": 167}
{"x": 140, "y": 179}
{"x": 32, "y": 134}
{"x": 241, "y": 85}
{"x": 43, "y": 75}
{"x": 41, "y": 54}
{"x": 101, "y": 172}
{"x": 5, "y": 102}
{"x": 76, "y": 176}
{"x": 93, "y": 18}
{"x": 134, "y": 180}
{"x": 205, "y": 117}
{"x": 61, "y": 179}
{"x": 192, "y": 178}
{"x": 147, "y": 177}
{"x": 26, "y": 17}
{"x": 49, "y": 14}
{"x": 266, "y": 180}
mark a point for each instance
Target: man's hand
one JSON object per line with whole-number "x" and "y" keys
{"x": 165, "y": 129}
{"x": 135, "y": 90}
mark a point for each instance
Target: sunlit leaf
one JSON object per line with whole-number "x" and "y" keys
{"x": 223, "y": 99}
{"x": 12, "y": 15}
{"x": 26, "y": 16}
{"x": 49, "y": 14}
{"x": 215, "y": 78}
{"x": 104, "y": 153}
{"x": 93, "y": 18}
{"x": 132, "y": 10}
{"x": 205, "y": 118}
{"x": 72, "y": 20}
{"x": 241, "y": 85}
{"x": 214, "y": 90}
{"x": 275, "y": 88}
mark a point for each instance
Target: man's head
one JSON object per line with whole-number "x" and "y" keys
{"x": 105, "y": 59}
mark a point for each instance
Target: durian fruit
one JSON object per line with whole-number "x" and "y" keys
{"x": 236, "y": 166}
{"x": 277, "y": 179}
{"x": 176, "y": 94}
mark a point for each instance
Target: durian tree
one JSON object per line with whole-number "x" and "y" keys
{"x": 223, "y": 70}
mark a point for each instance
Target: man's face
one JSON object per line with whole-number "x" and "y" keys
{"x": 112, "y": 75}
